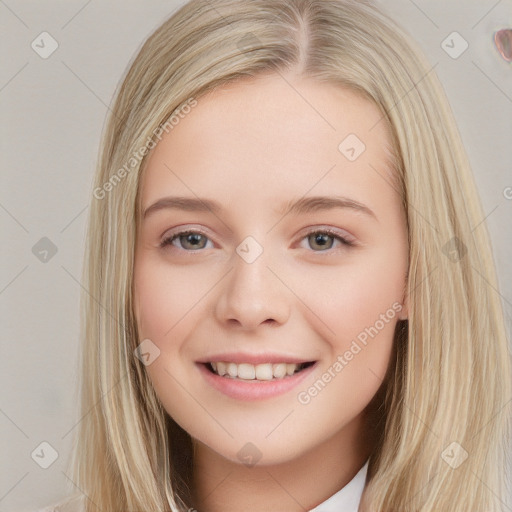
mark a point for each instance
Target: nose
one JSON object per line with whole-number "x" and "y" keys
{"x": 252, "y": 295}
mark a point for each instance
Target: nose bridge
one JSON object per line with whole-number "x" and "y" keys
{"x": 252, "y": 294}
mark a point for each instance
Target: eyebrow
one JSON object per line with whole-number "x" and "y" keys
{"x": 296, "y": 206}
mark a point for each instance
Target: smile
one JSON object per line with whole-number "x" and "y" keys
{"x": 254, "y": 381}
{"x": 259, "y": 372}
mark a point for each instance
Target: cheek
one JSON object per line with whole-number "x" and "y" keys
{"x": 165, "y": 298}
{"x": 357, "y": 309}
{"x": 363, "y": 319}
{"x": 350, "y": 298}
{"x": 164, "y": 305}
{"x": 168, "y": 303}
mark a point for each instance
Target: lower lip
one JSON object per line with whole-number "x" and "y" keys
{"x": 254, "y": 389}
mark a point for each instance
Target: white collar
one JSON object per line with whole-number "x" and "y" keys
{"x": 347, "y": 498}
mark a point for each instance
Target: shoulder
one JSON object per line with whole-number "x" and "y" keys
{"x": 69, "y": 504}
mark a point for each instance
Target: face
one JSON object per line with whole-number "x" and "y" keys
{"x": 278, "y": 259}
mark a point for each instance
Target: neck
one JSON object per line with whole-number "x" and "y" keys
{"x": 221, "y": 485}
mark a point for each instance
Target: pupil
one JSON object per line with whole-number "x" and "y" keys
{"x": 193, "y": 239}
{"x": 321, "y": 240}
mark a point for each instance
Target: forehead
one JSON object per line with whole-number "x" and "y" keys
{"x": 270, "y": 137}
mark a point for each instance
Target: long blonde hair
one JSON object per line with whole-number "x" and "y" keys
{"x": 450, "y": 382}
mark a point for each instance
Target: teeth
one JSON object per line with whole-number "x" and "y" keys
{"x": 246, "y": 371}
{"x": 279, "y": 370}
{"x": 232, "y": 370}
{"x": 264, "y": 372}
{"x": 290, "y": 368}
{"x": 221, "y": 368}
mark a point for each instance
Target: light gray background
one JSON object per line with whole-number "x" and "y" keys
{"x": 53, "y": 112}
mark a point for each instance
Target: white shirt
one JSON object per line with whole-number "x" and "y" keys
{"x": 346, "y": 499}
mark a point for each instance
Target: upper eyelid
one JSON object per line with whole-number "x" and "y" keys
{"x": 342, "y": 235}
{"x": 321, "y": 228}
{"x": 179, "y": 232}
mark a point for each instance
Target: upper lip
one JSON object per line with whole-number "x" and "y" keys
{"x": 239, "y": 357}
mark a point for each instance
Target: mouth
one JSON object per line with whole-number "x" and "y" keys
{"x": 248, "y": 372}
{"x": 257, "y": 380}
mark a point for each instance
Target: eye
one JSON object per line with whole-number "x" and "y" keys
{"x": 189, "y": 240}
{"x": 322, "y": 240}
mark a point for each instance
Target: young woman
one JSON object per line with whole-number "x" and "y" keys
{"x": 290, "y": 298}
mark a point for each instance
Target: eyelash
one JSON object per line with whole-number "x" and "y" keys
{"x": 326, "y": 231}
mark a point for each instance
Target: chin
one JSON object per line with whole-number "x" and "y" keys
{"x": 258, "y": 451}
